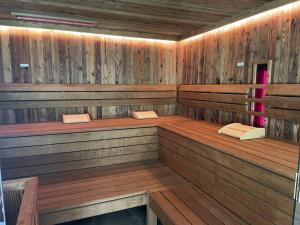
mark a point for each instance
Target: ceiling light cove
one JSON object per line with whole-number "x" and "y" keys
{"x": 259, "y": 16}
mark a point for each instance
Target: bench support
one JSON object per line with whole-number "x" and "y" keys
{"x": 151, "y": 216}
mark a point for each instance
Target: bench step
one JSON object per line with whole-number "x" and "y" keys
{"x": 101, "y": 190}
{"x": 185, "y": 205}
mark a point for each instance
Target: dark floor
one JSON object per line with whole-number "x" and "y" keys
{"x": 134, "y": 216}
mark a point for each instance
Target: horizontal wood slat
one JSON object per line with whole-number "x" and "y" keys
{"x": 282, "y": 100}
{"x": 216, "y": 97}
{"x": 214, "y": 105}
{"x": 186, "y": 204}
{"x": 33, "y": 96}
{"x": 218, "y": 88}
{"x": 85, "y": 103}
{"x": 35, "y": 129}
{"x": 96, "y": 191}
{"x": 50, "y": 148}
{"x": 74, "y": 137}
{"x": 53, "y": 153}
{"x": 41, "y": 150}
{"x": 46, "y": 96}
{"x": 283, "y": 89}
{"x": 7, "y": 87}
{"x": 236, "y": 174}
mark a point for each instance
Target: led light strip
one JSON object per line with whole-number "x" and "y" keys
{"x": 283, "y": 8}
{"x": 58, "y": 32}
{"x": 258, "y": 16}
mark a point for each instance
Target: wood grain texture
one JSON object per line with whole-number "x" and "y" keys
{"x": 63, "y": 58}
{"x": 95, "y": 191}
{"x": 212, "y": 59}
{"x": 52, "y": 148}
{"x": 28, "y": 214}
{"x": 152, "y": 19}
{"x": 239, "y": 175}
{"x": 186, "y": 204}
{"x": 281, "y": 101}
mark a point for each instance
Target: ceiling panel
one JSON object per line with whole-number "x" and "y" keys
{"x": 162, "y": 19}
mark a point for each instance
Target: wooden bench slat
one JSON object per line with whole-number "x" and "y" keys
{"x": 42, "y": 152}
{"x": 261, "y": 209}
{"x": 190, "y": 171}
{"x": 230, "y": 176}
{"x": 88, "y": 197}
{"x": 276, "y": 155}
{"x": 186, "y": 200}
{"x": 285, "y": 170}
{"x": 64, "y": 188}
{"x": 15, "y": 130}
{"x": 206, "y": 207}
{"x": 281, "y": 184}
{"x": 68, "y": 177}
{"x": 78, "y": 155}
{"x": 53, "y": 96}
{"x": 212, "y": 128}
{"x": 214, "y": 97}
{"x": 101, "y": 186}
{"x": 84, "y": 87}
{"x": 215, "y": 105}
{"x": 289, "y": 115}
{"x": 184, "y": 209}
{"x": 75, "y": 165}
{"x": 217, "y": 88}
{"x": 247, "y": 184}
{"x": 282, "y": 102}
{"x": 84, "y": 103}
{"x": 74, "y": 137}
{"x": 162, "y": 207}
{"x": 111, "y": 205}
{"x": 283, "y": 89}
{"x": 48, "y": 96}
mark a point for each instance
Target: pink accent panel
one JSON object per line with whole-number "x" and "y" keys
{"x": 261, "y": 78}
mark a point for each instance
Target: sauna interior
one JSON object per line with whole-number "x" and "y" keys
{"x": 149, "y": 112}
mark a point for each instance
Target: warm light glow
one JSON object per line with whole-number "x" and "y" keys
{"x": 281, "y": 9}
{"x": 83, "y": 34}
{"x": 284, "y": 8}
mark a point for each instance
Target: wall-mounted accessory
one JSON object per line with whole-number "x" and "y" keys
{"x": 145, "y": 115}
{"x": 24, "y": 65}
{"x": 240, "y": 64}
{"x": 242, "y": 132}
{"x": 56, "y": 19}
{"x": 261, "y": 75}
{"x": 76, "y": 118}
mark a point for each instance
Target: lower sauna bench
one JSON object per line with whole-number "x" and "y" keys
{"x": 93, "y": 192}
{"x": 86, "y": 170}
{"x": 186, "y": 205}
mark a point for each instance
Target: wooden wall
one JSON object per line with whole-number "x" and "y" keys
{"x": 212, "y": 59}
{"x": 62, "y": 57}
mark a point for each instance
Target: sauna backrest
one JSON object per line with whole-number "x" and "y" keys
{"x": 33, "y": 96}
{"x": 282, "y": 101}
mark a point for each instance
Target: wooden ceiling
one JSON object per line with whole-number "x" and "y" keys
{"x": 161, "y": 19}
